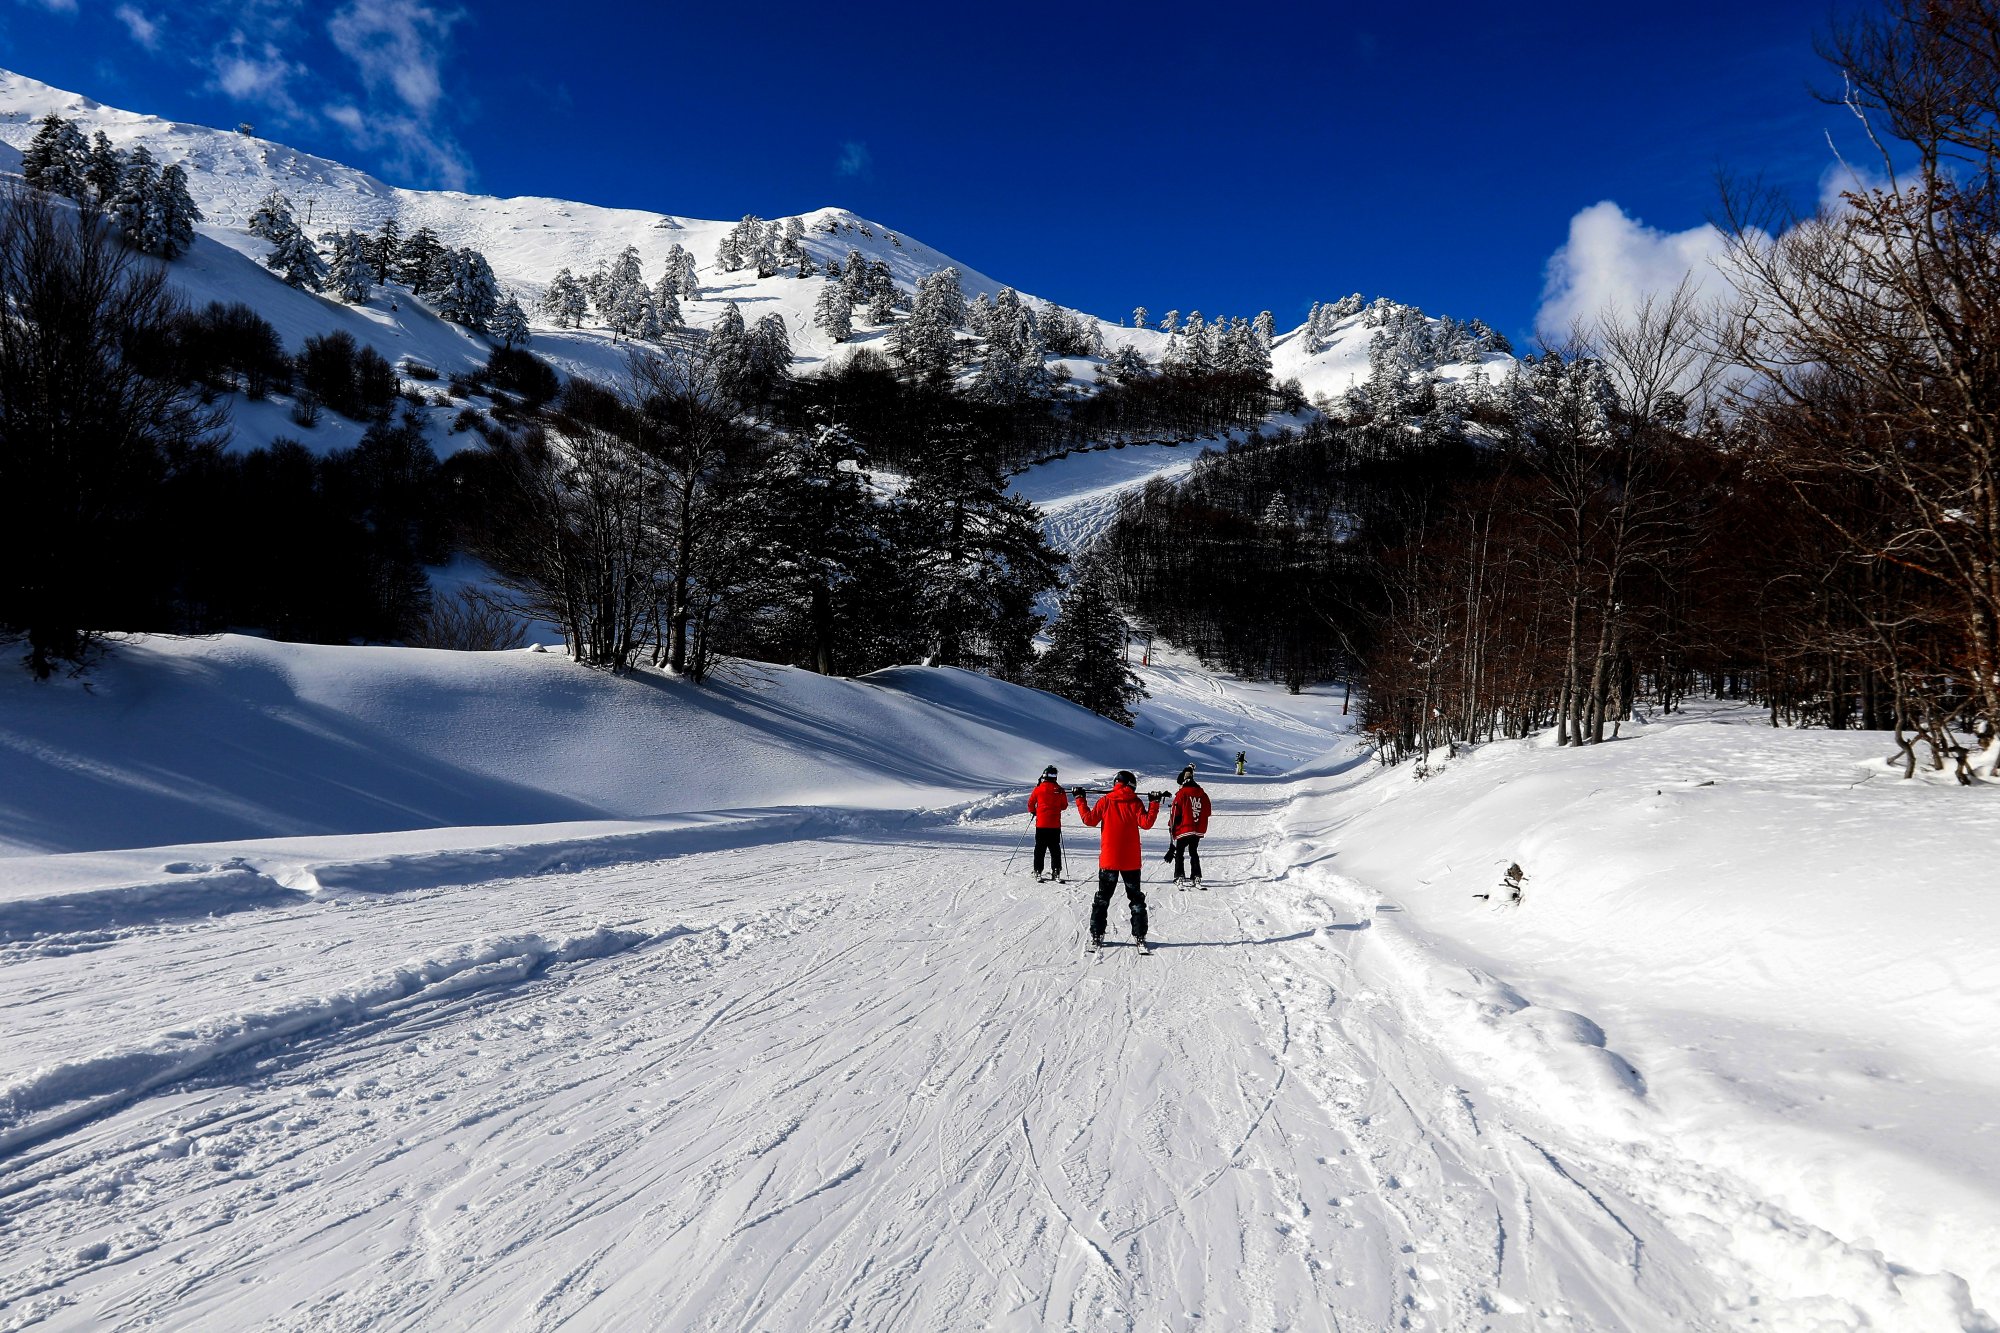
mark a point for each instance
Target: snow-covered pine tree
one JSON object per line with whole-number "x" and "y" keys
{"x": 105, "y": 168}
{"x": 1085, "y": 661}
{"x": 854, "y": 277}
{"x": 679, "y": 271}
{"x": 1312, "y": 332}
{"x": 510, "y": 323}
{"x": 979, "y": 315}
{"x": 417, "y": 261}
{"x": 807, "y": 269}
{"x": 739, "y": 247}
{"x": 170, "y": 228}
{"x": 1265, "y": 328}
{"x": 470, "y": 294}
{"x": 940, "y": 298}
{"x": 383, "y": 249}
{"x": 833, "y": 313}
{"x": 564, "y": 301}
{"x": 791, "y": 241}
{"x": 770, "y": 348}
{"x": 57, "y": 159}
{"x": 881, "y": 304}
{"x": 632, "y": 314}
{"x": 1139, "y": 317}
{"x": 729, "y": 351}
{"x": 1170, "y": 321}
{"x": 292, "y": 255}
{"x": 927, "y": 342}
{"x": 764, "y": 250}
{"x": 132, "y": 205}
{"x": 667, "y": 303}
{"x": 350, "y": 266}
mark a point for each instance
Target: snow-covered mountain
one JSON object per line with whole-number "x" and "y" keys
{"x": 528, "y": 240}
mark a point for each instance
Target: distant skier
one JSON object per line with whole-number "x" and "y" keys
{"x": 1047, "y": 803}
{"x": 1242, "y": 760}
{"x": 1121, "y": 817}
{"x": 1187, "y": 824}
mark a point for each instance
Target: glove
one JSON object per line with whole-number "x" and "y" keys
{"x": 1076, "y": 792}
{"x": 1168, "y": 854}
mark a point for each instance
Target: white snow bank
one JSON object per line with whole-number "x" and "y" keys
{"x": 176, "y": 741}
{"x": 1790, "y": 965}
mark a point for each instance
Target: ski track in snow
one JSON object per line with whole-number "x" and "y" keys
{"x": 818, "y": 1084}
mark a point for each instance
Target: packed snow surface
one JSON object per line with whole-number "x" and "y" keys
{"x": 780, "y": 1033}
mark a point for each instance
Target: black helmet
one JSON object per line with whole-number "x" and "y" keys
{"x": 1125, "y": 776}
{"x": 1049, "y": 772}
{"x": 1186, "y": 775}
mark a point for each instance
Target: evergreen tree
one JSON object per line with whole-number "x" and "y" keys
{"x": 680, "y": 273}
{"x": 510, "y": 323}
{"x": 170, "y": 226}
{"x": 1265, "y": 328}
{"x": 382, "y": 251}
{"x": 854, "y": 278}
{"x": 1170, "y": 321}
{"x": 764, "y": 249}
{"x": 105, "y": 169}
{"x": 741, "y": 245}
{"x": 770, "y": 348}
{"x": 667, "y": 303}
{"x": 1139, "y": 317}
{"x": 292, "y": 256}
{"x": 1085, "y": 661}
{"x": 822, "y": 528}
{"x": 57, "y": 159}
{"x": 976, "y": 554}
{"x": 417, "y": 260}
{"x": 350, "y": 269}
{"x": 564, "y": 301}
{"x": 470, "y": 294}
{"x": 131, "y": 206}
{"x": 833, "y": 313}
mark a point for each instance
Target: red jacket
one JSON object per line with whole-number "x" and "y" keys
{"x": 1122, "y": 817}
{"x": 1047, "y": 803}
{"x": 1191, "y": 807}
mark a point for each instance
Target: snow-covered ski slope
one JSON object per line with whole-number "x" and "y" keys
{"x": 527, "y": 240}
{"x": 817, "y": 1051}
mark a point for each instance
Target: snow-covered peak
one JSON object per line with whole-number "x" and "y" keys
{"x": 1330, "y": 353}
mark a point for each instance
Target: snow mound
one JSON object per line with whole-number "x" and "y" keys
{"x": 176, "y": 741}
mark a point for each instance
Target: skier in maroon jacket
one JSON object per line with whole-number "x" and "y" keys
{"x": 1121, "y": 816}
{"x": 1047, "y": 803}
{"x": 1187, "y": 824}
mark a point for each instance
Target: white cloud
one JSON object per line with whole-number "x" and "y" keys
{"x": 1612, "y": 261}
{"x": 145, "y": 31}
{"x": 54, "y": 6}
{"x": 398, "y": 45}
{"x": 408, "y": 147}
{"x": 255, "y": 73}
{"x": 854, "y": 159}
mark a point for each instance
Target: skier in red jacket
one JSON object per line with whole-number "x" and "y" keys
{"x": 1187, "y": 824}
{"x": 1047, "y": 803}
{"x": 1121, "y": 816}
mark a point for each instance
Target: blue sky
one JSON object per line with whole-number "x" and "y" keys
{"x": 1221, "y": 157}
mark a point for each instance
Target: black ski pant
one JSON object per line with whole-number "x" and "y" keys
{"x": 1048, "y": 842}
{"x": 1100, "y": 906}
{"x": 1187, "y": 855}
